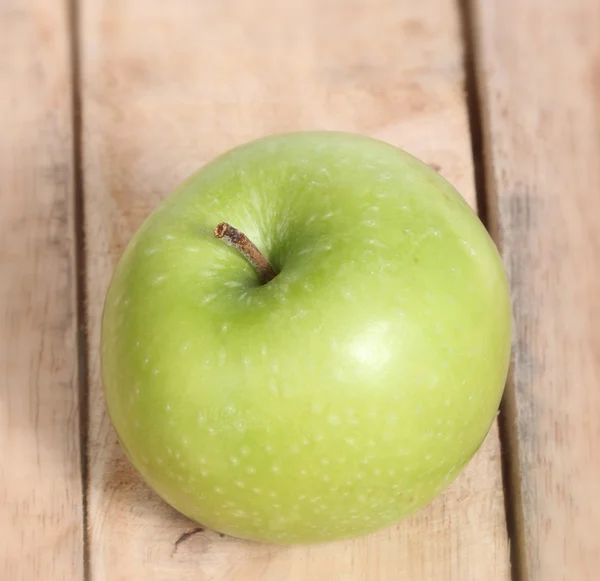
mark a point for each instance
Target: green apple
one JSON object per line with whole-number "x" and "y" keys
{"x": 338, "y": 397}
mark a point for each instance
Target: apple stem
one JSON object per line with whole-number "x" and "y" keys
{"x": 244, "y": 245}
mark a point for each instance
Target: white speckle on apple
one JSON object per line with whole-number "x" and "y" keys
{"x": 317, "y": 408}
{"x": 350, "y": 441}
{"x": 219, "y": 490}
{"x": 303, "y": 472}
{"x": 235, "y": 461}
{"x": 272, "y": 494}
{"x": 167, "y": 407}
{"x": 222, "y": 357}
{"x": 209, "y": 298}
{"x": 275, "y": 468}
{"x": 250, "y": 470}
{"x": 245, "y": 451}
{"x": 200, "y": 418}
{"x": 334, "y": 419}
{"x": 150, "y": 251}
{"x": 240, "y": 484}
{"x": 224, "y": 328}
{"x": 257, "y": 491}
{"x": 326, "y": 478}
{"x": 158, "y": 279}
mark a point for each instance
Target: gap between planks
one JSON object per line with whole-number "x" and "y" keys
{"x": 484, "y": 192}
{"x": 73, "y": 29}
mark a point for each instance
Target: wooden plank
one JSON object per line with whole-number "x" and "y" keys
{"x": 41, "y": 516}
{"x": 539, "y": 78}
{"x": 166, "y": 87}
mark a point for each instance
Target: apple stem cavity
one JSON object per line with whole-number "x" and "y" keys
{"x": 244, "y": 246}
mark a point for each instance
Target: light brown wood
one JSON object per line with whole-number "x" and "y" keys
{"x": 169, "y": 85}
{"x": 540, "y": 82}
{"x": 41, "y": 516}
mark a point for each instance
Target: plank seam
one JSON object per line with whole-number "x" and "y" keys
{"x": 72, "y": 7}
{"x": 486, "y": 206}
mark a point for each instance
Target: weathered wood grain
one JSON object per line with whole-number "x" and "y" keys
{"x": 167, "y": 86}
{"x": 41, "y": 526}
{"x": 539, "y": 79}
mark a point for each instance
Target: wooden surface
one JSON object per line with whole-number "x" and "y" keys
{"x": 41, "y": 513}
{"x": 539, "y": 74}
{"x": 166, "y": 86}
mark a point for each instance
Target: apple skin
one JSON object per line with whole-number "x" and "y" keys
{"x": 344, "y": 394}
